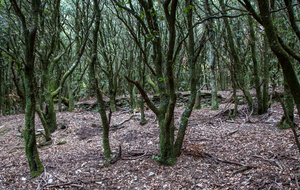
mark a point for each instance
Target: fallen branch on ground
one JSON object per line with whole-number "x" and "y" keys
{"x": 119, "y": 126}
{"x": 269, "y": 160}
{"x": 72, "y": 184}
{"x": 231, "y": 133}
{"x": 244, "y": 167}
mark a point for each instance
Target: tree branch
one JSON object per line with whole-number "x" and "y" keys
{"x": 144, "y": 95}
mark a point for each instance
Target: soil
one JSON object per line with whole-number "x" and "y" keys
{"x": 246, "y": 152}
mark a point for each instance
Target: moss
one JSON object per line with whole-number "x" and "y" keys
{"x": 4, "y": 131}
{"x": 62, "y": 142}
{"x": 12, "y": 151}
{"x": 41, "y": 144}
{"x": 143, "y": 121}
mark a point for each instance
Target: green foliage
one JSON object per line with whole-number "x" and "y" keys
{"x": 188, "y": 8}
{"x": 154, "y": 157}
{"x": 83, "y": 85}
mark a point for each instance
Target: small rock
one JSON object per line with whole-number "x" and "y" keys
{"x": 199, "y": 185}
{"x": 78, "y": 171}
{"x": 151, "y": 174}
{"x": 245, "y": 183}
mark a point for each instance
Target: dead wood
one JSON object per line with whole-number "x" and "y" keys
{"x": 231, "y": 133}
{"x": 244, "y": 167}
{"x": 269, "y": 160}
{"x": 71, "y": 184}
{"x": 120, "y": 125}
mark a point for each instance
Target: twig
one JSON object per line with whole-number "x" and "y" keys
{"x": 269, "y": 160}
{"x": 247, "y": 120}
{"x": 72, "y": 184}
{"x": 62, "y": 180}
{"x": 248, "y": 167}
{"x": 42, "y": 179}
{"x": 229, "y": 162}
{"x": 139, "y": 155}
{"x": 231, "y": 133}
{"x": 117, "y": 126}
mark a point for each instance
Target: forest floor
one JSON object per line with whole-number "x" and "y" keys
{"x": 218, "y": 153}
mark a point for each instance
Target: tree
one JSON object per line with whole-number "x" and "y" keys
{"x": 149, "y": 20}
{"x": 212, "y": 60}
{"x": 30, "y": 28}
{"x": 94, "y": 83}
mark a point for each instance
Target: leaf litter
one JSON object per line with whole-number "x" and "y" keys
{"x": 218, "y": 153}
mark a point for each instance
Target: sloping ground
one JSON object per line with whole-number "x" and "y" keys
{"x": 218, "y": 153}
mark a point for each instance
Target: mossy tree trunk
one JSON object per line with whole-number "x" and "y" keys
{"x": 131, "y": 86}
{"x": 212, "y": 61}
{"x": 47, "y": 78}
{"x": 284, "y": 123}
{"x": 49, "y": 112}
{"x": 35, "y": 165}
{"x": 94, "y": 83}
{"x": 256, "y": 74}
{"x": 266, "y": 74}
{"x": 199, "y": 84}
{"x": 142, "y": 71}
{"x": 165, "y": 83}
{"x": 279, "y": 51}
{"x": 1, "y": 83}
{"x": 71, "y": 96}
{"x": 192, "y": 59}
{"x": 163, "y": 73}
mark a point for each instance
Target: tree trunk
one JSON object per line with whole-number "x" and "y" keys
{"x": 281, "y": 54}
{"x": 211, "y": 60}
{"x": 289, "y": 104}
{"x": 193, "y": 85}
{"x": 1, "y": 86}
{"x": 266, "y": 71}
{"x": 35, "y": 165}
{"x": 71, "y": 96}
{"x": 255, "y": 68}
{"x": 214, "y": 97}
{"x": 49, "y": 114}
{"x": 94, "y": 82}
{"x": 44, "y": 123}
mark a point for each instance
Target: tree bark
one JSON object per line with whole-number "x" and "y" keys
{"x": 212, "y": 61}
{"x": 94, "y": 83}
{"x": 266, "y": 74}
{"x": 35, "y": 165}
{"x": 281, "y": 54}
{"x": 193, "y": 81}
{"x": 255, "y": 67}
